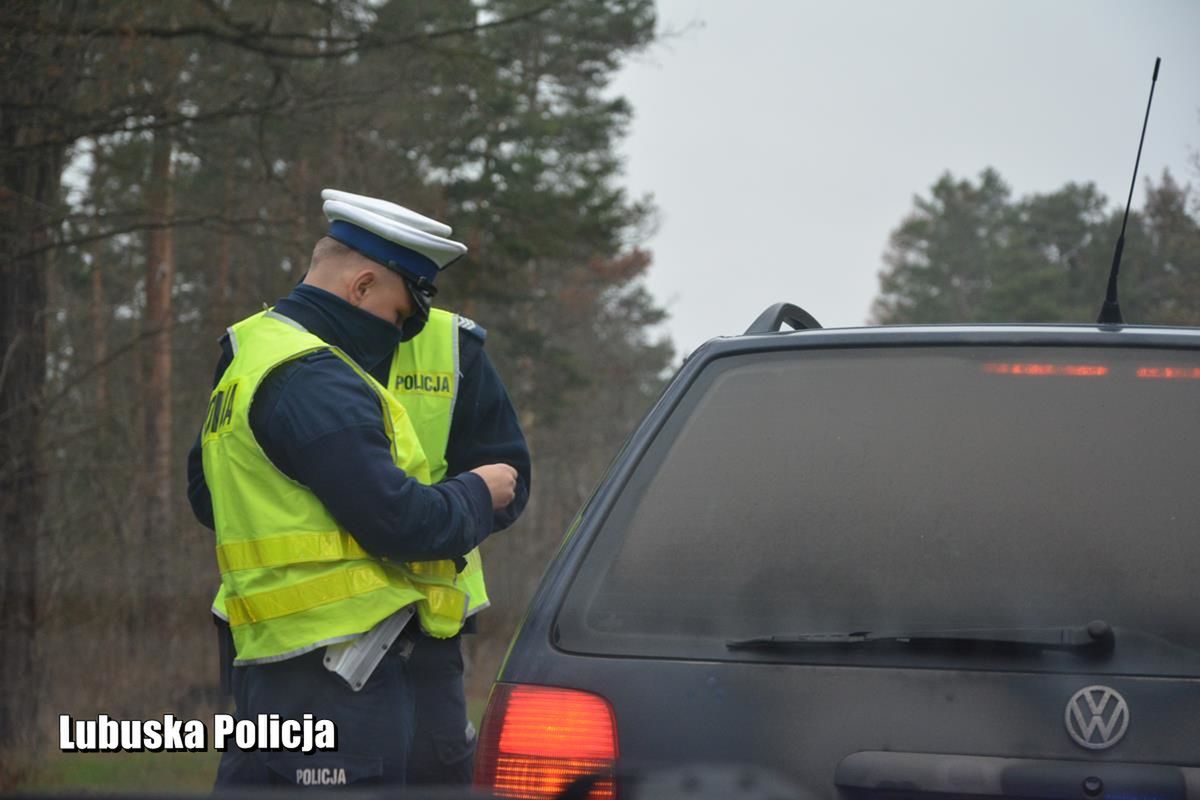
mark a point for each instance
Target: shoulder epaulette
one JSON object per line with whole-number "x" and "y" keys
{"x": 468, "y": 325}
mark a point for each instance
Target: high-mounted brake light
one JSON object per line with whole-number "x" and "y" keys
{"x": 1170, "y": 373}
{"x": 1073, "y": 370}
{"x": 536, "y": 740}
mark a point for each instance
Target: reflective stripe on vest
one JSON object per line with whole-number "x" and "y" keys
{"x": 424, "y": 377}
{"x": 438, "y": 579}
{"x": 278, "y": 550}
{"x": 292, "y": 580}
{"x": 298, "y": 597}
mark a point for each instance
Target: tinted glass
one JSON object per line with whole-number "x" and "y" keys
{"x": 926, "y": 488}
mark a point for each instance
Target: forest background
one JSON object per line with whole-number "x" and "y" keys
{"x": 160, "y": 175}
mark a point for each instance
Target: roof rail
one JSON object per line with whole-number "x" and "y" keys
{"x": 771, "y": 320}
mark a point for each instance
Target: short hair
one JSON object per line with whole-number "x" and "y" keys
{"x": 327, "y": 248}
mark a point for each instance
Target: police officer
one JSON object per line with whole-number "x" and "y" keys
{"x": 335, "y": 450}
{"x": 462, "y": 422}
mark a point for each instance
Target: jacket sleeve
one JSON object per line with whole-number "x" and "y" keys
{"x": 323, "y": 427}
{"x": 485, "y": 428}
{"x": 197, "y": 489}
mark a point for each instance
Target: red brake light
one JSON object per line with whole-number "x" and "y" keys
{"x": 1073, "y": 370}
{"x": 1169, "y": 372}
{"x": 535, "y": 740}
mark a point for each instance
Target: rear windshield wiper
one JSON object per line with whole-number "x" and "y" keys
{"x": 1095, "y": 638}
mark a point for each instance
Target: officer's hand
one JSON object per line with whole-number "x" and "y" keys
{"x": 501, "y": 480}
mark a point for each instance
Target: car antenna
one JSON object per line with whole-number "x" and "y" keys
{"x": 1110, "y": 312}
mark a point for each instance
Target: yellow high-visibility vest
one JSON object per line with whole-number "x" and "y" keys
{"x": 424, "y": 377}
{"x": 292, "y": 579}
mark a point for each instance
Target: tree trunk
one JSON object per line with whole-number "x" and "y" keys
{"x": 302, "y": 231}
{"x": 157, "y": 518}
{"x": 99, "y": 333}
{"x": 222, "y": 306}
{"x": 23, "y": 227}
{"x": 37, "y": 80}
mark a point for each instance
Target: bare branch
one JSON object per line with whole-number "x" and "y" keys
{"x": 117, "y": 123}
{"x": 172, "y": 222}
{"x": 262, "y": 42}
{"x": 74, "y": 380}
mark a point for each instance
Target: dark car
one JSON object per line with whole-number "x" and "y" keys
{"x": 895, "y": 562}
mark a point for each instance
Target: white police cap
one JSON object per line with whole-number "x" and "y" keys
{"x": 390, "y": 210}
{"x": 398, "y": 245}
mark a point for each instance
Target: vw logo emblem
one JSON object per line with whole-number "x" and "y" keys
{"x": 1097, "y": 717}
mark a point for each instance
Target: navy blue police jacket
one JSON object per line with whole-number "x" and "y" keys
{"x": 322, "y": 426}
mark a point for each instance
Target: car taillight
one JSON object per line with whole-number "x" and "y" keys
{"x": 1072, "y": 370}
{"x": 1186, "y": 373}
{"x": 536, "y": 740}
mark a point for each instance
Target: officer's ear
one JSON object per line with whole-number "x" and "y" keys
{"x": 361, "y": 282}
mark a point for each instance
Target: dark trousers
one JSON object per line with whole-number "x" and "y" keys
{"x": 407, "y": 725}
{"x": 443, "y": 750}
{"x": 374, "y": 725}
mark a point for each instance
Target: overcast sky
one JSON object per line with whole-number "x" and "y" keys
{"x": 784, "y": 139}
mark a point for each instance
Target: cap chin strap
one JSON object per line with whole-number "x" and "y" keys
{"x": 422, "y": 293}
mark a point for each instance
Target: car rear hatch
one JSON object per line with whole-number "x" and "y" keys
{"x": 909, "y": 491}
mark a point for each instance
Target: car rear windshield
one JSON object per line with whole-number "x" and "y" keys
{"x": 938, "y": 487}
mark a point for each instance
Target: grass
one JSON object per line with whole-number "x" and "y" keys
{"x": 112, "y": 772}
